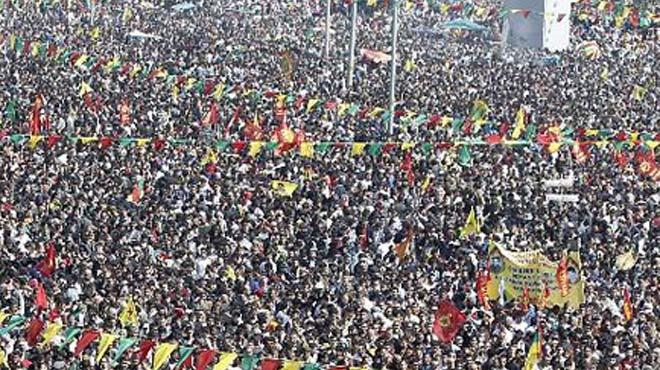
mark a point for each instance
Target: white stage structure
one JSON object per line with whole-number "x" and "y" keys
{"x": 537, "y": 24}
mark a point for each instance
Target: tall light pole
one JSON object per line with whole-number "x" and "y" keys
{"x": 328, "y": 9}
{"x": 351, "y": 63}
{"x": 395, "y": 31}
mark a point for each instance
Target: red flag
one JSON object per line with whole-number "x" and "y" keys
{"x": 493, "y": 139}
{"x": 52, "y": 140}
{"x": 188, "y": 363}
{"x": 211, "y": 118}
{"x": 482, "y": 290}
{"x": 106, "y": 142}
{"x": 204, "y": 358}
{"x": 41, "y": 300}
{"x": 627, "y": 305}
{"x": 621, "y": 158}
{"x": 270, "y": 364}
{"x": 233, "y": 119}
{"x": 504, "y": 129}
{"x": 85, "y": 340}
{"x": 33, "y": 330}
{"x": 286, "y": 138}
{"x": 448, "y": 321}
{"x": 158, "y": 144}
{"x": 47, "y": 265}
{"x": 35, "y": 116}
{"x": 562, "y": 276}
{"x": 125, "y": 113}
{"x": 581, "y": 152}
{"x": 145, "y": 347}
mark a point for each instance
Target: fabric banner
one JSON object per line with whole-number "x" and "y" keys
{"x": 532, "y": 269}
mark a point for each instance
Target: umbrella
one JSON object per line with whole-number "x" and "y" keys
{"x": 463, "y": 24}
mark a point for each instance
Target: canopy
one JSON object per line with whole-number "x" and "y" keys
{"x": 463, "y": 24}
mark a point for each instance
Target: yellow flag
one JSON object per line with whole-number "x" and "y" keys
{"x": 358, "y": 148}
{"x": 226, "y": 359}
{"x": 81, "y": 60}
{"x": 407, "y": 145}
{"x": 283, "y": 188}
{"x": 175, "y": 93}
{"x": 409, "y": 65}
{"x": 34, "y": 141}
{"x": 104, "y": 344}
{"x": 520, "y": 124}
{"x": 426, "y": 183}
{"x": 136, "y": 69}
{"x": 311, "y": 104}
{"x": 219, "y": 89}
{"x": 35, "y": 48}
{"x": 446, "y": 120}
{"x": 533, "y": 354}
{"x": 376, "y": 111}
{"x": 162, "y": 354}
{"x": 554, "y": 147}
{"x": 307, "y": 149}
{"x": 292, "y": 365}
{"x": 230, "y": 273}
{"x": 84, "y": 88}
{"x": 190, "y": 83}
{"x": 142, "y": 142}
{"x": 3, "y": 316}
{"x": 471, "y": 225}
{"x": 409, "y": 5}
{"x": 444, "y": 8}
{"x": 128, "y": 14}
{"x": 210, "y": 157}
{"x": 371, "y": 2}
{"x": 591, "y": 132}
{"x": 255, "y": 148}
{"x": 95, "y": 33}
{"x": 652, "y": 144}
{"x": 625, "y": 261}
{"x": 605, "y": 74}
{"x": 128, "y": 315}
{"x": 602, "y": 5}
{"x": 87, "y": 140}
{"x": 52, "y": 329}
{"x": 3, "y": 359}
{"x": 342, "y": 108}
{"x": 639, "y": 92}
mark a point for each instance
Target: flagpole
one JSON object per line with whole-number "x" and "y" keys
{"x": 328, "y": 10}
{"x": 351, "y": 63}
{"x": 395, "y": 30}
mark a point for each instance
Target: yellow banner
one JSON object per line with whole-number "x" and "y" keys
{"x": 531, "y": 269}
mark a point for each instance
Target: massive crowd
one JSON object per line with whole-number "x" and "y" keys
{"x": 217, "y": 259}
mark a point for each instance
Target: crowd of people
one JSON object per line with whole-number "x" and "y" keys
{"x": 214, "y": 258}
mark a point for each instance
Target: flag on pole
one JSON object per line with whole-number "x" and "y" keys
{"x": 625, "y": 261}
{"x": 471, "y": 225}
{"x": 534, "y": 353}
{"x": 40, "y": 299}
{"x": 211, "y": 118}
{"x": 204, "y": 359}
{"x": 163, "y": 353}
{"x": 88, "y": 336}
{"x": 627, "y": 305}
{"x": 226, "y": 359}
{"x": 104, "y": 344}
{"x": 283, "y": 188}
{"x": 482, "y": 290}
{"x": 448, "y": 321}
{"x": 52, "y": 330}
{"x": 47, "y": 265}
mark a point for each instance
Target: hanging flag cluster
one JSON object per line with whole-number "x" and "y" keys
{"x": 644, "y": 143}
{"x": 41, "y": 335}
{"x": 283, "y": 103}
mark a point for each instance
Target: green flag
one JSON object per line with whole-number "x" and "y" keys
{"x": 457, "y": 125}
{"x": 124, "y": 344}
{"x": 353, "y": 109}
{"x": 311, "y": 367}
{"x": 530, "y": 133}
{"x": 322, "y": 147}
{"x": 69, "y": 335}
{"x": 249, "y": 362}
{"x": 222, "y": 145}
{"x": 426, "y": 148}
{"x": 271, "y": 145}
{"x": 184, "y": 353}
{"x": 464, "y": 156}
{"x": 13, "y": 323}
{"x": 374, "y": 148}
{"x": 10, "y": 110}
{"x": 125, "y": 141}
{"x": 19, "y": 45}
{"x": 18, "y": 138}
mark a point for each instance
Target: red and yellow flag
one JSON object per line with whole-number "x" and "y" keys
{"x": 627, "y": 305}
{"x": 562, "y": 276}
